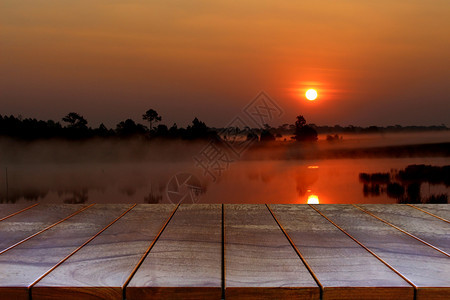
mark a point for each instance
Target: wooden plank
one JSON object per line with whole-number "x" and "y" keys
{"x": 26, "y": 263}
{"x": 344, "y": 268}
{"x": 7, "y": 210}
{"x": 440, "y": 210}
{"x": 100, "y": 269}
{"x": 426, "y": 268}
{"x": 186, "y": 261}
{"x": 421, "y": 225}
{"x": 260, "y": 263}
{"x": 29, "y": 222}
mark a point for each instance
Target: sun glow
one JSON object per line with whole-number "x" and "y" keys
{"x": 313, "y": 199}
{"x": 311, "y": 94}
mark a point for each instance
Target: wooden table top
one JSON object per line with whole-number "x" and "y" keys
{"x": 231, "y": 251}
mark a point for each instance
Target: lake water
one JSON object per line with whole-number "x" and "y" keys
{"x": 325, "y": 181}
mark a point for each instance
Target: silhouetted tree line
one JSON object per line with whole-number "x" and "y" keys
{"x": 332, "y": 131}
{"x": 300, "y": 131}
{"x": 376, "y": 129}
{"x": 75, "y": 127}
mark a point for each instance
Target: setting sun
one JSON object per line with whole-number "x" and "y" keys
{"x": 311, "y": 94}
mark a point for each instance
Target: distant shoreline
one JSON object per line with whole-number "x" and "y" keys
{"x": 297, "y": 152}
{"x": 77, "y": 129}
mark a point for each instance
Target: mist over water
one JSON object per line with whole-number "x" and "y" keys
{"x": 137, "y": 171}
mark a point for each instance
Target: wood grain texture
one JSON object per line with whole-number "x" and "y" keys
{"x": 437, "y": 293}
{"x": 421, "y": 264}
{"x": 27, "y": 223}
{"x": 344, "y": 268}
{"x": 260, "y": 263}
{"x": 367, "y": 293}
{"x": 6, "y": 210}
{"x": 25, "y": 263}
{"x": 257, "y": 293}
{"x": 186, "y": 260}
{"x": 85, "y": 293}
{"x": 440, "y": 210}
{"x": 102, "y": 267}
{"x": 174, "y": 293}
{"x": 422, "y": 225}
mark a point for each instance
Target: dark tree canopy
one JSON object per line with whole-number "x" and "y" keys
{"x": 300, "y": 122}
{"x": 151, "y": 116}
{"x": 76, "y": 129}
{"x": 129, "y": 128}
{"x": 266, "y": 136}
{"x": 303, "y": 132}
{"x": 198, "y": 130}
{"x": 28, "y": 129}
{"x": 75, "y": 120}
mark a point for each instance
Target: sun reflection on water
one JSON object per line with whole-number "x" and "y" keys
{"x": 313, "y": 199}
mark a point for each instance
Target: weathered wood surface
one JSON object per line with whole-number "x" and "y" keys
{"x": 342, "y": 266}
{"x": 440, "y": 210}
{"x": 186, "y": 261}
{"x": 7, "y": 210}
{"x": 101, "y": 268}
{"x": 31, "y": 221}
{"x": 23, "y": 265}
{"x": 426, "y": 268}
{"x": 260, "y": 262}
{"x": 190, "y": 255}
{"x": 421, "y": 225}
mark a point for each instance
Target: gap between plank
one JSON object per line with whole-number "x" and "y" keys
{"x": 18, "y": 212}
{"x": 427, "y": 212}
{"x": 147, "y": 251}
{"x": 76, "y": 250}
{"x": 223, "y": 252}
{"x": 402, "y": 230}
{"x": 45, "y": 229}
{"x": 370, "y": 251}
{"x": 308, "y": 267}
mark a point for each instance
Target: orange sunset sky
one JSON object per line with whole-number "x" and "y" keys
{"x": 372, "y": 62}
